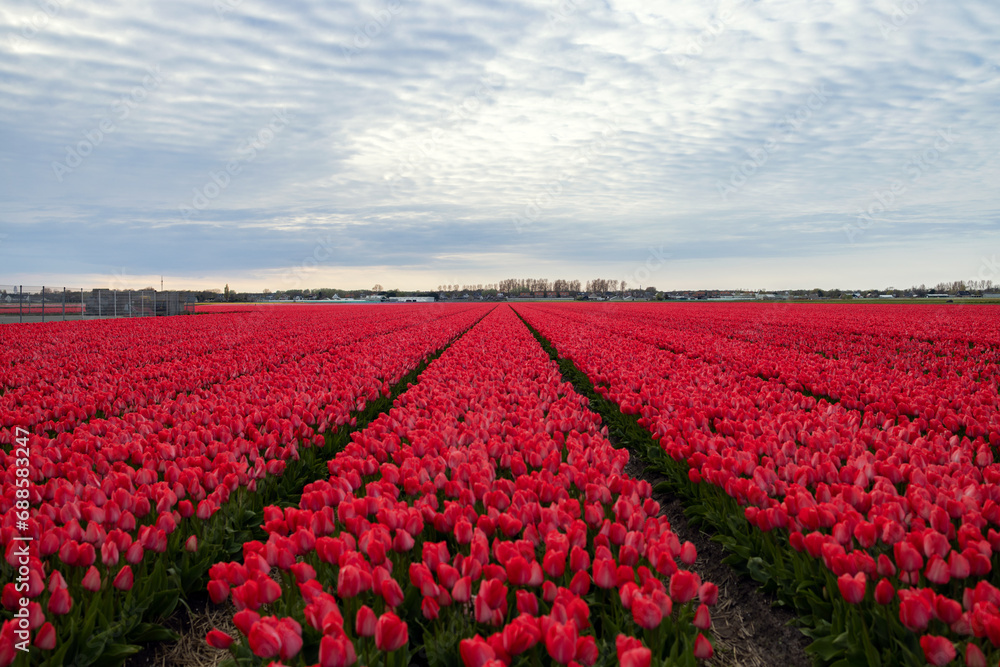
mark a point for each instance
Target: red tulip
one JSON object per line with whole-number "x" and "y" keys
{"x": 45, "y": 639}
{"x": 646, "y": 613}
{"x": 60, "y": 602}
{"x": 684, "y": 586}
{"x": 915, "y": 613}
{"x": 554, "y": 563}
{"x": 336, "y": 651}
{"x": 392, "y": 593}
{"x": 708, "y": 593}
{"x": 10, "y": 598}
{"x": 352, "y": 581}
{"x": 907, "y": 558}
{"x": 264, "y": 640}
{"x": 702, "y": 618}
{"x": 636, "y": 657}
{"x": 475, "y": 652}
{"x": 218, "y": 590}
{"x": 580, "y": 583}
{"x": 365, "y": 621}
{"x": 702, "y": 648}
{"x": 884, "y": 592}
{"x": 244, "y": 620}
{"x": 430, "y": 608}
{"x": 527, "y": 603}
{"x": 521, "y": 634}
{"x": 937, "y": 650}
{"x": 92, "y": 580}
{"x": 605, "y": 573}
{"x": 560, "y": 641}
{"x": 974, "y": 656}
{"x": 586, "y": 651}
{"x": 937, "y": 571}
{"x": 852, "y": 588}
{"x": 218, "y": 639}
{"x": 390, "y": 632}
{"x": 689, "y": 553}
{"x": 461, "y": 592}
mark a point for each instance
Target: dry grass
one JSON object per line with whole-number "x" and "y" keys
{"x": 191, "y": 650}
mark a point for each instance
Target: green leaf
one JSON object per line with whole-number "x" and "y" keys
{"x": 152, "y": 632}
{"x": 828, "y": 647}
{"x": 758, "y": 569}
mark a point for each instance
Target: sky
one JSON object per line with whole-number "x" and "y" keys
{"x": 765, "y": 144}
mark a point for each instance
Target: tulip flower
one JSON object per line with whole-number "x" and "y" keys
{"x": 92, "y": 579}
{"x": 937, "y": 650}
{"x": 645, "y": 612}
{"x": 915, "y": 613}
{"x": 45, "y": 639}
{"x": 684, "y": 586}
{"x": 336, "y": 651}
{"x": 852, "y": 588}
{"x": 521, "y": 634}
{"x": 475, "y": 652}
{"x": 218, "y": 639}
{"x": 365, "y": 622}
{"x": 560, "y": 642}
{"x": 390, "y": 632}
{"x": 702, "y": 648}
{"x": 60, "y": 602}
{"x": 264, "y": 640}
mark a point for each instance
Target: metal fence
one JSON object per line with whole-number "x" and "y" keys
{"x": 27, "y": 303}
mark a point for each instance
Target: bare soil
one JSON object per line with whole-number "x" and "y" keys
{"x": 747, "y": 630}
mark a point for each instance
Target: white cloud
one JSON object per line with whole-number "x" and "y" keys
{"x": 398, "y": 147}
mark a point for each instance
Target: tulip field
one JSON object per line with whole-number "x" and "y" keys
{"x": 445, "y": 485}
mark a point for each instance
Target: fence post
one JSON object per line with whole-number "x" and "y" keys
{"x": 154, "y": 303}
{"x": 43, "y": 303}
{"x": 82, "y": 307}
{"x": 20, "y": 304}
{"x": 130, "y": 311}
{"x": 116, "y": 302}
{"x": 64, "y": 304}
{"x": 100, "y": 309}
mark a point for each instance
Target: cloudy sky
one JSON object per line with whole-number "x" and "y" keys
{"x": 414, "y": 143}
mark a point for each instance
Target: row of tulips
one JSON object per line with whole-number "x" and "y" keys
{"x": 128, "y": 511}
{"x": 902, "y": 515}
{"x": 56, "y": 376}
{"x": 485, "y": 519}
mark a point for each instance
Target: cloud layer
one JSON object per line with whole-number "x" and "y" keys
{"x": 264, "y": 144}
